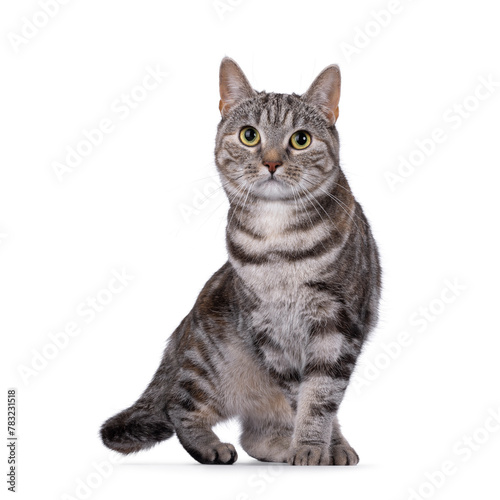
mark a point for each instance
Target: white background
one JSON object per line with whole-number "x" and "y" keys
{"x": 131, "y": 204}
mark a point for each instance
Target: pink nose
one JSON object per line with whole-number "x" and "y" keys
{"x": 272, "y": 165}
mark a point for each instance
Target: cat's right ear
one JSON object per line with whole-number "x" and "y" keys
{"x": 233, "y": 84}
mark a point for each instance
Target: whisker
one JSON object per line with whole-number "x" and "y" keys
{"x": 303, "y": 205}
{"x": 235, "y": 196}
{"x": 307, "y": 212}
{"x": 223, "y": 185}
{"x": 322, "y": 208}
{"x": 342, "y": 204}
{"x": 248, "y": 192}
{"x": 318, "y": 178}
{"x": 231, "y": 200}
{"x": 241, "y": 191}
{"x": 339, "y": 202}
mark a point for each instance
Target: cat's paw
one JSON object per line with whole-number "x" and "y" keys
{"x": 309, "y": 455}
{"x": 219, "y": 454}
{"x": 344, "y": 454}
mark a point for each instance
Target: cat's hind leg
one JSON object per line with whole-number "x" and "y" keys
{"x": 203, "y": 444}
{"x": 267, "y": 441}
{"x": 194, "y": 430}
{"x": 194, "y": 409}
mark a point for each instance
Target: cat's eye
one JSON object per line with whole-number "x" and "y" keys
{"x": 300, "y": 139}
{"x": 249, "y": 136}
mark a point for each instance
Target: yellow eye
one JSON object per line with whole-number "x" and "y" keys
{"x": 249, "y": 136}
{"x": 300, "y": 139}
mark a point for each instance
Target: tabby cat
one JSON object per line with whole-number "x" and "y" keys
{"x": 275, "y": 333}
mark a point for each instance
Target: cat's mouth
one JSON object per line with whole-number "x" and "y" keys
{"x": 271, "y": 179}
{"x": 271, "y": 187}
{"x": 270, "y": 182}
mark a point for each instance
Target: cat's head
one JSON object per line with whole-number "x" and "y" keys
{"x": 276, "y": 146}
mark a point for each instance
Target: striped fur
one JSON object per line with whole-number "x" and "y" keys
{"x": 274, "y": 335}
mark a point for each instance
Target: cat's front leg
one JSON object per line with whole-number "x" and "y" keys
{"x": 341, "y": 451}
{"x": 313, "y": 425}
{"x": 330, "y": 361}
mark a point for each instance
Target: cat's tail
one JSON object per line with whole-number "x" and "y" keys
{"x": 135, "y": 429}
{"x": 144, "y": 424}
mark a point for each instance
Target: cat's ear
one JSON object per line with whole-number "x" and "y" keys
{"x": 233, "y": 84}
{"x": 324, "y": 93}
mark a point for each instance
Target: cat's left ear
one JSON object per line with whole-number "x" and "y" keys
{"x": 233, "y": 84}
{"x": 324, "y": 93}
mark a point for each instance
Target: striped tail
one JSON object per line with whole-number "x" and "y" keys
{"x": 146, "y": 422}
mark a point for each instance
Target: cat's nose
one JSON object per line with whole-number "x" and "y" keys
{"x": 272, "y": 165}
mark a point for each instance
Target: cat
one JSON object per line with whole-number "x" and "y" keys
{"x": 274, "y": 335}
